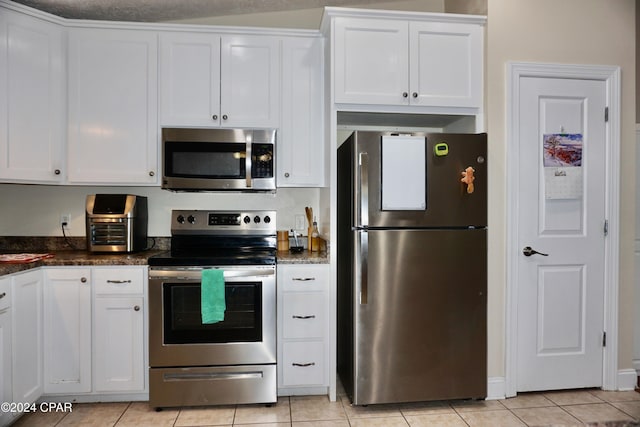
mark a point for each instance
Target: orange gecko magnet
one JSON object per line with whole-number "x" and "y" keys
{"x": 468, "y": 178}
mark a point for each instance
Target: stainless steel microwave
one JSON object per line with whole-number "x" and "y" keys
{"x": 218, "y": 159}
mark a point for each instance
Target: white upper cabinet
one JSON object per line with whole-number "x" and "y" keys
{"x": 408, "y": 63}
{"x": 189, "y": 79}
{"x": 212, "y": 80}
{"x": 32, "y": 100}
{"x": 113, "y": 132}
{"x": 300, "y": 148}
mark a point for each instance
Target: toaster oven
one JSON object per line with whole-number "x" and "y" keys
{"x": 116, "y": 223}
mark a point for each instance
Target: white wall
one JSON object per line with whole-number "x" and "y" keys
{"x": 34, "y": 210}
{"x": 568, "y": 32}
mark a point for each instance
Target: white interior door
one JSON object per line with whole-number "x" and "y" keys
{"x": 561, "y": 213}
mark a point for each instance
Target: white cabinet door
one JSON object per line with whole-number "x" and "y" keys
{"x": 445, "y": 64}
{"x": 250, "y": 81}
{"x": 189, "y": 79}
{"x": 408, "y": 63}
{"x": 113, "y": 132}
{"x": 32, "y": 100}
{"x": 300, "y": 148}
{"x": 119, "y": 344}
{"x": 371, "y": 61}
{"x": 67, "y": 330}
{"x": 26, "y": 309}
{"x": 6, "y": 394}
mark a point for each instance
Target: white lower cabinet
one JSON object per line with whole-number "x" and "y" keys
{"x": 94, "y": 330}
{"x": 26, "y": 331}
{"x": 119, "y": 336}
{"x": 67, "y": 330}
{"x": 303, "y": 292}
{"x": 6, "y": 394}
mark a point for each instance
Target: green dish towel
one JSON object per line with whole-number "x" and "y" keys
{"x": 212, "y": 298}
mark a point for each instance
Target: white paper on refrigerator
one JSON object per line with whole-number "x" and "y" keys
{"x": 403, "y": 173}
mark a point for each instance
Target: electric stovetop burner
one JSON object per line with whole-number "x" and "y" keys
{"x": 218, "y": 238}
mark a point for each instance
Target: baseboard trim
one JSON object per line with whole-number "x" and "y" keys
{"x": 627, "y": 379}
{"x": 496, "y": 388}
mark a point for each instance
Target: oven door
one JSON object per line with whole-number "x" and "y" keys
{"x": 177, "y": 336}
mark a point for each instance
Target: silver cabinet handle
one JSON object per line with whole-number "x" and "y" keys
{"x": 215, "y": 117}
{"x": 405, "y": 95}
{"x": 118, "y": 282}
{"x": 57, "y": 172}
{"x": 152, "y": 173}
{"x": 303, "y": 365}
{"x": 414, "y": 94}
{"x": 2, "y": 295}
{"x": 225, "y": 117}
{"x": 136, "y": 308}
{"x": 303, "y": 279}
{"x": 528, "y": 251}
{"x": 286, "y": 175}
{"x": 304, "y": 317}
{"x": 83, "y": 279}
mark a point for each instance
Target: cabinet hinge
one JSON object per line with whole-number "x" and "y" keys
{"x": 604, "y": 339}
{"x": 606, "y": 114}
{"x": 606, "y": 227}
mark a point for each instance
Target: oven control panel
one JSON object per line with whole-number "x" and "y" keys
{"x": 222, "y": 222}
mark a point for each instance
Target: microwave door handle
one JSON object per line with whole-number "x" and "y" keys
{"x": 248, "y": 164}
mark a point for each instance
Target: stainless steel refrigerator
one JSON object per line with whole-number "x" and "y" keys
{"x": 412, "y": 267}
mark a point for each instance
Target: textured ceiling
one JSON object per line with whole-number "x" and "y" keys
{"x": 170, "y": 10}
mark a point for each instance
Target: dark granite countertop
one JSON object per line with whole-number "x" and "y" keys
{"x": 304, "y": 257}
{"x": 83, "y": 258}
{"x": 80, "y": 257}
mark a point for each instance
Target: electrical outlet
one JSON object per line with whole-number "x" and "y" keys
{"x": 65, "y": 219}
{"x": 299, "y": 222}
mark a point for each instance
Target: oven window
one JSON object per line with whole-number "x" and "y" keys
{"x": 183, "y": 318}
{"x": 205, "y": 160}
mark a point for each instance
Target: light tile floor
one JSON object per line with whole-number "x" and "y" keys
{"x": 568, "y": 408}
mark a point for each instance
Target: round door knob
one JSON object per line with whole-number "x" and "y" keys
{"x": 405, "y": 94}
{"x": 225, "y": 117}
{"x": 136, "y": 308}
{"x": 286, "y": 175}
{"x": 415, "y": 94}
{"x": 215, "y": 117}
{"x": 152, "y": 173}
{"x": 57, "y": 171}
{"x": 83, "y": 279}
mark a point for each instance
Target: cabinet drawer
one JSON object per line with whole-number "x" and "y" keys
{"x": 5, "y": 293}
{"x": 303, "y": 363}
{"x": 118, "y": 281}
{"x": 303, "y": 315}
{"x": 304, "y": 277}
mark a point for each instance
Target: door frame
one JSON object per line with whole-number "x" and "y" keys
{"x": 611, "y": 76}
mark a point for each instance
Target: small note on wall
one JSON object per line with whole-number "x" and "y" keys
{"x": 562, "y": 158}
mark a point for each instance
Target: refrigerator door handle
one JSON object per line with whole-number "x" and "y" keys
{"x": 364, "y": 261}
{"x": 362, "y": 206}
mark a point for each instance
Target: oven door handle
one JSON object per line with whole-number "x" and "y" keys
{"x": 195, "y": 273}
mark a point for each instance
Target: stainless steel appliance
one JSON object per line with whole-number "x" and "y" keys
{"x": 232, "y": 361}
{"x": 116, "y": 222}
{"x": 218, "y": 159}
{"x": 412, "y": 267}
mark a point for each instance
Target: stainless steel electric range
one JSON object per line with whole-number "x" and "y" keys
{"x": 232, "y": 361}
